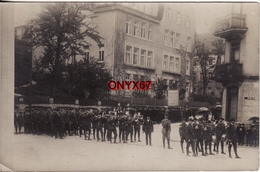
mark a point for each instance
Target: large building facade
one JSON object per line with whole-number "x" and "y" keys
{"x": 144, "y": 41}
{"x": 239, "y": 73}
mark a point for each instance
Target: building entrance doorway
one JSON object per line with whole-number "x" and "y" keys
{"x": 232, "y": 102}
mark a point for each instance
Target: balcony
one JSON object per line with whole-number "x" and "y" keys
{"x": 229, "y": 72}
{"x": 232, "y": 26}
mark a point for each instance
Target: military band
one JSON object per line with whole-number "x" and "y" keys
{"x": 199, "y": 134}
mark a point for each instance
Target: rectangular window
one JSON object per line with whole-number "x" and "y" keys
{"x": 136, "y": 28}
{"x": 177, "y": 38}
{"x": 142, "y": 57}
{"x": 101, "y": 53}
{"x": 172, "y": 39}
{"x": 171, "y": 64}
{"x": 150, "y": 59}
{"x": 187, "y": 67}
{"x": 128, "y": 25}
{"x": 234, "y": 54}
{"x": 187, "y": 21}
{"x": 168, "y": 13}
{"x": 143, "y": 30}
{"x": 188, "y": 47}
{"x": 148, "y": 8}
{"x": 177, "y": 64}
{"x": 128, "y": 54}
{"x": 127, "y": 77}
{"x": 165, "y": 62}
{"x": 150, "y": 32}
{"x": 135, "y": 77}
{"x": 142, "y": 78}
{"x": 178, "y": 18}
{"x": 166, "y": 35}
{"x": 136, "y": 56}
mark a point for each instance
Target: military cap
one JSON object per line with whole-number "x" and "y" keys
{"x": 190, "y": 119}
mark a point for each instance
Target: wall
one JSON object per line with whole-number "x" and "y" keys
{"x": 250, "y": 44}
{"x": 246, "y": 107}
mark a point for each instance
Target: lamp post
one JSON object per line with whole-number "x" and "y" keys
{"x": 31, "y": 27}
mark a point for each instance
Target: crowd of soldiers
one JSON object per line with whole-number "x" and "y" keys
{"x": 199, "y": 134}
{"x": 62, "y": 122}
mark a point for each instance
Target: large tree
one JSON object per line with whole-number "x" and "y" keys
{"x": 61, "y": 31}
{"x": 87, "y": 78}
{"x": 203, "y": 55}
{"x": 22, "y": 62}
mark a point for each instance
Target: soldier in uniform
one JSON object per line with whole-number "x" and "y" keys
{"x": 57, "y": 122}
{"x": 249, "y": 136}
{"x": 220, "y": 130}
{"x": 20, "y": 121}
{"x": 182, "y": 132}
{"x": 16, "y": 122}
{"x": 148, "y": 129}
{"x": 121, "y": 129}
{"x": 208, "y": 133}
{"x": 232, "y": 137}
{"x": 129, "y": 128}
{"x": 137, "y": 127}
{"x": 189, "y": 136}
{"x": 112, "y": 122}
{"x": 198, "y": 133}
{"x": 166, "y": 131}
{"x": 106, "y": 127}
{"x": 100, "y": 128}
{"x": 26, "y": 122}
{"x": 255, "y": 135}
{"x": 241, "y": 131}
{"x": 86, "y": 125}
{"x": 94, "y": 124}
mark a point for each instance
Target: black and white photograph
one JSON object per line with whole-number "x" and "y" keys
{"x": 129, "y": 86}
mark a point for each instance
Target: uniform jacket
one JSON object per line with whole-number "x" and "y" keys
{"x": 189, "y": 132}
{"x": 148, "y": 126}
{"x": 231, "y": 132}
{"x": 182, "y": 129}
{"x": 198, "y": 131}
{"x": 166, "y": 124}
{"x": 220, "y": 129}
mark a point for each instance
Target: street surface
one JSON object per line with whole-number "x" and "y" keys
{"x": 44, "y": 153}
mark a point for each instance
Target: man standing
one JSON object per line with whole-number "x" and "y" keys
{"x": 182, "y": 132}
{"x": 232, "y": 137}
{"x": 198, "y": 133}
{"x": 166, "y": 131}
{"x": 220, "y": 130}
{"x": 112, "y": 128}
{"x": 148, "y": 129}
{"x": 190, "y": 138}
{"x": 241, "y": 131}
{"x": 137, "y": 126}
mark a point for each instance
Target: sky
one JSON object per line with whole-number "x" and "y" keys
{"x": 205, "y": 13}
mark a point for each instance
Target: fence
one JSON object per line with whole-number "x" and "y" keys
{"x": 155, "y": 102}
{"x": 113, "y": 101}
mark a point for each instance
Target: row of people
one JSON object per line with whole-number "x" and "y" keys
{"x": 198, "y": 134}
{"x": 101, "y": 126}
